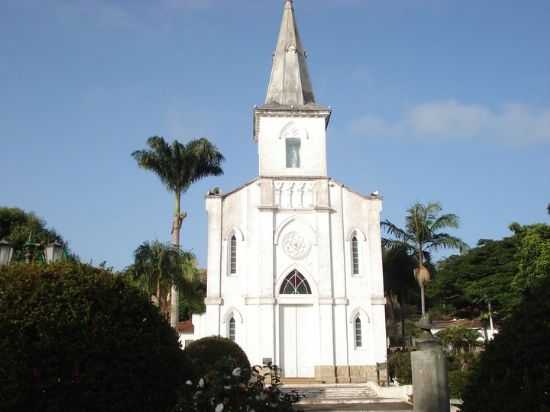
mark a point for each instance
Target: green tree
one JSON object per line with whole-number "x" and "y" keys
{"x": 496, "y": 271}
{"x": 179, "y": 166}
{"x": 513, "y": 373}
{"x": 157, "y": 266}
{"x": 398, "y": 284}
{"x": 534, "y": 255}
{"x": 20, "y": 227}
{"x": 421, "y": 236}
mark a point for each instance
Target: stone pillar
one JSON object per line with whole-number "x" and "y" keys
{"x": 429, "y": 374}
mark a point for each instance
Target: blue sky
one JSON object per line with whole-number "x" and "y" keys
{"x": 445, "y": 100}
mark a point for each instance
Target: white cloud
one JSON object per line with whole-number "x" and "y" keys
{"x": 451, "y": 120}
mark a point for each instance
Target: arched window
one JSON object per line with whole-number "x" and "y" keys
{"x": 354, "y": 255}
{"x": 233, "y": 255}
{"x": 358, "y": 333}
{"x": 293, "y": 152}
{"x": 295, "y": 284}
{"x": 232, "y": 332}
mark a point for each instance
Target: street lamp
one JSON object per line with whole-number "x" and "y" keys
{"x": 53, "y": 252}
{"x": 6, "y": 252}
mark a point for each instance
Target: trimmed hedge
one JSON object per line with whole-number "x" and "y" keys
{"x": 206, "y": 354}
{"x": 75, "y": 338}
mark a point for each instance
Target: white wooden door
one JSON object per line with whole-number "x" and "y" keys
{"x": 296, "y": 339}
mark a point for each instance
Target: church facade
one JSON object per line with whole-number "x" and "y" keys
{"x": 294, "y": 257}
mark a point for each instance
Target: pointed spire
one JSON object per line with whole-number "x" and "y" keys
{"x": 290, "y": 84}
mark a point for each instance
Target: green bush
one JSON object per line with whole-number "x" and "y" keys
{"x": 204, "y": 355}
{"x": 399, "y": 367}
{"x": 513, "y": 373}
{"x": 457, "y": 381}
{"x": 75, "y": 338}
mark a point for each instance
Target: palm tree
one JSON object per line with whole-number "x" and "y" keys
{"x": 157, "y": 266}
{"x": 421, "y": 236}
{"x": 179, "y": 166}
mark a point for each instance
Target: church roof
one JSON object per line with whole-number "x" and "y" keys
{"x": 290, "y": 84}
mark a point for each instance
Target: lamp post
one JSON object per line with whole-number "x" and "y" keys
{"x": 53, "y": 252}
{"x": 6, "y": 252}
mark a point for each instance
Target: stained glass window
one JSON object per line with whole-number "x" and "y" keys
{"x": 358, "y": 333}
{"x": 295, "y": 284}
{"x": 232, "y": 329}
{"x": 233, "y": 255}
{"x": 355, "y": 255}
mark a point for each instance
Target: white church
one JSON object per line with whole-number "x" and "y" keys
{"x": 294, "y": 257}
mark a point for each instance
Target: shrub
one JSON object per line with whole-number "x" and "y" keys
{"x": 513, "y": 373}
{"x": 229, "y": 390}
{"x": 399, "y": 367}
{"x": 75, "y": 338}
{"x": 204, "y": 355}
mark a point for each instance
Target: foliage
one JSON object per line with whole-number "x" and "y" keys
{"x": 193, "y": 299}
{"x": 495, "y": 271}
{"x": 459, "y": 339}
{"x": 514, "y": 371}
{"x": 233, "y": 390}
{"x": 204, "y": 353}
{"x": 157, "y": 266}
{"x": 81, "y": 339}
{"x": 457, "y": 382}
{"x": 423, "y": 235}
{"x": 534, "y": 256}
{"x": 17, "y": 226}
{"x": 399, "y": 367}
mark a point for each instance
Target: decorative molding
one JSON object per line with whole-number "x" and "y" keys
{"x": 358, "y": 232}
{"x": 233, "y": 312}
{"x": 295, "y": 245}
{"x": 333, "y": 301}
{"x": 377, "y": 300}
{"x": 361, "y": 313}
{"x": 259, "y": 300}
{"x": 234, "y": 231}
{"x": 213, "y": 301}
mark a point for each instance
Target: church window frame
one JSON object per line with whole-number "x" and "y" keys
{"x": 355, "y": 260}
{"x": 232, "y": 329}
{"x": 295, "y": 284}
{"x": 358, "y": 332}
{"x": 233, "y": 246}
{"x": 293, "y": 147}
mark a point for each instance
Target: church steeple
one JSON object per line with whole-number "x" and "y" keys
{"x": 289, "y": 84}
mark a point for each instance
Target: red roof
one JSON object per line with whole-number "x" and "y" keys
{"x": 185, "y": 327}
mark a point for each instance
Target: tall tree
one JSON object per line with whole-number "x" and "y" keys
{"x": 157, "y": 266}
{"x": 421, "y": 236}
{"x": 179, "y": 166}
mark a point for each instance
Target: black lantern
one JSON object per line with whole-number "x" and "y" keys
{"x": 53, "y": 252}
{"x": 6, "y": 252}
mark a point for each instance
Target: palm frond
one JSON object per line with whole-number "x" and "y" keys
{"x": 442, "y": 222}
{"x": 396, "y": 232}
{"x": 446, "y": 241}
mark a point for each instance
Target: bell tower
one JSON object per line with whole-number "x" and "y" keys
{"x": 290, "y": 127}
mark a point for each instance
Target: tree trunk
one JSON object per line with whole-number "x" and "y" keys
{"x": 176, "y": 229}
{"x": 422, "y": 298}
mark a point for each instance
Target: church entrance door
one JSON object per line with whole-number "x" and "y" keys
{"x": 296, "y": 337}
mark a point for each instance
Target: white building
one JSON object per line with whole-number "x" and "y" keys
{"x": 294, "y": 257}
